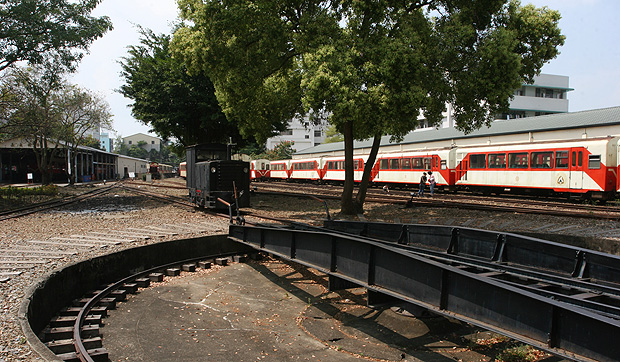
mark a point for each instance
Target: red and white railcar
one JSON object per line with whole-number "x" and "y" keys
{"x": 406, "y": 168}
{"x": 280, "y": 169}
{"x": 333, "y": 168}
{"x": 259, "y": 169}
{"x": 310, "y": 169}
{"x": 584, "y": 167}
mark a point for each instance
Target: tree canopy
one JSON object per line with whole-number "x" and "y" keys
{"x": 176, "y": 104}
{"x": 50, "y": 113}
{"x": 373, "y": 68}
{"x": 35, "y": 30}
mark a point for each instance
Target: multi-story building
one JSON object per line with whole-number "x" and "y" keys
{"x": 107, "y": 144}
{"x": 301, "y": 136}
{"x": 547, "y": 95}
{"x": 150, "y": 141}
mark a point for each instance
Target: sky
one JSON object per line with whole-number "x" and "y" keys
{"x": 590, "y": 56}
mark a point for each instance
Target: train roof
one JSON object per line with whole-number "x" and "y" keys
{"x": 559, "y": 121}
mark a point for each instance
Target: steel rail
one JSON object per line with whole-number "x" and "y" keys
{"x": 534, "y": 207}
{"x": 589, "y": 268}
{"x": 599, "y": 298}
{"x": 11, "y": 214}
{"x": 80, "y": 349}
{"x": 551, "y": 325}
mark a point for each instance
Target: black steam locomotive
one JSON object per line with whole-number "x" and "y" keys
{"x": 214, "y": 180}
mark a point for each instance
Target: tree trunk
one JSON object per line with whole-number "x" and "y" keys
{"x": 361, "y": 193}
{"x": 347, "y": 204}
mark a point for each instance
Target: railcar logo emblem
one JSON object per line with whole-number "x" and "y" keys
{"x": 561, "y": 180}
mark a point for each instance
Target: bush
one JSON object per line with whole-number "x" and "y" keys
{"x": 48, "y": 190}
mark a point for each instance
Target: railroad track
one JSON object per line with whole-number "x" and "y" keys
{"x": 23, "y": 256}
{"x": 552, "y": 208}
{"x": 585, "y": 294}
{"x": 81, "y": 321}
{"x": 54, "y": 204}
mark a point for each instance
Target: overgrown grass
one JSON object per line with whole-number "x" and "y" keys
{"x": 16, "y": 192}
{"x": 521, "y": 353}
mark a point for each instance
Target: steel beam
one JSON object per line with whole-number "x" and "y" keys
{"x": 556, "y": 327}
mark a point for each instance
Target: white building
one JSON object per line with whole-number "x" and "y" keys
{"x": 150, "y": 141}
{"x": 303, "y": 138}
{"x": 547, "y": 95}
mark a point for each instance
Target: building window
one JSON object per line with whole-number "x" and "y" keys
{"x": 129, "y": 142}
{"x": 317, "y": 133}
{"x": 520, "y": 91}
{"x": 549, "y": 93}
{"x": 152, "y": 142}
{"x": 307, "y": 136}
{"x": 288, "y": 132}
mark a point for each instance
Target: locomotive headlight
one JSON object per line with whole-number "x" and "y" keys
{"x": 213, "y": 169}
{"x": 245, "y": 170}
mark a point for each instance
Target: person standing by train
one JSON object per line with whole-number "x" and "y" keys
{"x": 431, "y": 182}
{"x": 422, "y": 184}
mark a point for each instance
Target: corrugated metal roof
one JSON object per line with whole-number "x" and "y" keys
{"x": 592, "y": 118}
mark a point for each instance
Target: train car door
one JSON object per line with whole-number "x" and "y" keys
{"x": 576, "y": 168}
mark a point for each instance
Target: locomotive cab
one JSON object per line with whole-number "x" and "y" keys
{"x": 212, "y": 176}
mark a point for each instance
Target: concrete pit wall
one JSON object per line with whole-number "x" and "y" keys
{"x": 58, "y": 289}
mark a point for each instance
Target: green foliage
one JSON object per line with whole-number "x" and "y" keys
{"x": 281, "y": 151}
{"x": 37, "y": 30}
{"x": 90, "y": 141}
{"x": 332, "y": 135}
{"x": 50, "y": 113}
{"x": 167, "y": 153}
{"x": 370, "y": 68}
{"x": 521, "y": 353}
{"x": 174, "y": 103}
{"x": 15, "y": 192}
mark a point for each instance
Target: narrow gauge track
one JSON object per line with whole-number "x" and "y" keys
{"x": 599, "y": 298}
{"x": 53, "y": 204}
{"x": 460, "y": 201}
{"x": 93, "y": 308}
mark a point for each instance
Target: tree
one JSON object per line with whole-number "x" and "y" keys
{"x": 282, "y": 151}
{"x": 371, "y": 67}
{"x": 51, "y": 114}
{"x": 176, "y": 104}
{"x": 81, "y": 112}
{"x": 33, "y": 30}
{"x": 332, "y": 135}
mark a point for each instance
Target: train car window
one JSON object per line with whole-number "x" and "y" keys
{"x": 405, "y": 164}
{"x": 427, "y": 163}
{"x": 497, "y": 160}
{"x": 594, "y": 162}
{"x": 210, "y": 155}
{"x": 579, "y": 160}
{"x": 518, "y": 160}
{"x": 444, "y": 165}
{"x": 561, "y": 159}
{"x": 417, "y": 163}
{"x": 574, "y": 161}
{"x": 395, "y": 164}
{"x": 330, "y": 165}
{"x": 542, "y": 159}
{"x": 385, "y": 164}
{"x": 477, "y": 161}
